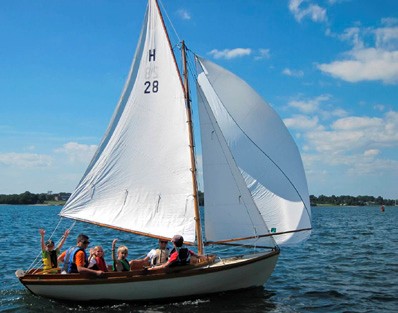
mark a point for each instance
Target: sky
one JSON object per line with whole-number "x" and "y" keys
{"x": 329, "y": 68}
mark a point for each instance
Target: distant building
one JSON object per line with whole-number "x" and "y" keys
{"x": 63, "y": 196}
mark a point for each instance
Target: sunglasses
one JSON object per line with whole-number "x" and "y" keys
{"x": 163, "y": 241}
{"x": 85, "y": 242}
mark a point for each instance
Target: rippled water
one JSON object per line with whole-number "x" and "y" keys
{"x": 349, "y": 264}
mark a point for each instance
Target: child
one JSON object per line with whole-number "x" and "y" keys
{"x": 96, "y": 259}
{"x": 49, "y": 254}
{"x": 120, "y": 264}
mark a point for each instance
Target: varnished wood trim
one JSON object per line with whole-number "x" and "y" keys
{"x": 135, "y": 276}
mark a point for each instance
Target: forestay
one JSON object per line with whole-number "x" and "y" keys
{"x": 265, "y": 153}
{"x": 140, "y": 178}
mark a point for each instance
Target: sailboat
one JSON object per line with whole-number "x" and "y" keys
{"x": 143, "y": 180}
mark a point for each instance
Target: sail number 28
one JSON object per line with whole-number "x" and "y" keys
{"x": 151, "y": 87}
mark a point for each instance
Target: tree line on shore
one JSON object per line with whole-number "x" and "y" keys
{"x": 42, "y": 198}
{"x": 32, "y": 198}
{"x": 350, "y": 200}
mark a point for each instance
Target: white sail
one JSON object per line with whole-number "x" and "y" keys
{"x": 230, "y": 212}
{"x": 264, "y": 151}
{"x": 140, "y": 178}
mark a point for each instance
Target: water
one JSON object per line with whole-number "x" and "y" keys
{"x": 349, "y": 264}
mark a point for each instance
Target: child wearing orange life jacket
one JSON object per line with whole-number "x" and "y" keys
{"x": 96, "y": 259}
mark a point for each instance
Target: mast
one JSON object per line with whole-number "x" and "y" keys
{"x": 198, "y": 228}
{"x": 192, "y": 147}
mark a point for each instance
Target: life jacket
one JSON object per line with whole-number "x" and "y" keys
{"x": 100, "y": 264}
{"x": 125, "y": 263}
{"x": 46, "y": 260}
{"x": 66, "y": 259}
{"x": 72, "y": 267}
{"x": 161, "y": 256}
{"x": 49, "y": 259}
{"x": 184, "y": 257}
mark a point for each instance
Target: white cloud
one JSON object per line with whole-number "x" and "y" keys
{"x": 293, "y": 73}
{"x": 301, "y": 122}
{"x": 350, "y": 147}
{"x": 371, "y": 152}
{"x": 368, "y": 60}
{"x": 263, "y": 54}
{"x": 305, "y": 9}
{"x": 333, "y": 113}
{"x": 365, "y": 65}
{"x": 26, "y": 160}
{"x": 78, "y": 153}
{"x": 355, "y": 122}
{"x": 184, "y": 14}
{"x": 230, "y": 53}
{"x": 309, "y": 105}
{"x": 355, "y": 135}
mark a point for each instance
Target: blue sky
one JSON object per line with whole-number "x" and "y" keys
{"x": 329, "y": 68}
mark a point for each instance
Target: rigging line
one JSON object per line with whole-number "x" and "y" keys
{"x": 265, "y": 154}
{"x": 35, "y": 261}
{"x": 168, "y": 18}
{"x": 56, "y": 227}
{"x": 259, "y": 236}
{"x": 191, "y": 63}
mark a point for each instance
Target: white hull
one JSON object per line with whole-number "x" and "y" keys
{"x": 225, "y": 275}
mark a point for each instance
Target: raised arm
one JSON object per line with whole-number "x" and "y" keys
{"x": 66, "y": 234}
{"x": 114, "y": 258}
{"x": 42, "y": 233}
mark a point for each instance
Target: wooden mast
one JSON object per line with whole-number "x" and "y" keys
{"x": 185, "y": 87}
{"x": 192, "y": 147}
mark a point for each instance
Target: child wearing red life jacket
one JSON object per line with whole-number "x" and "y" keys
{"x": 96, "y": 259}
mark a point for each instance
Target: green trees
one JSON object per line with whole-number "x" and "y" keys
{"x": 31, "y": 198}
{"x": 349, "y": 200}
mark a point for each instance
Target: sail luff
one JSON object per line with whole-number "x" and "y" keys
{"x": 192, "y": 150}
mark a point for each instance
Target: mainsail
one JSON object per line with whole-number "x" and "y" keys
{"x": 140, "y": 178}
{"x": 261, "y": 147}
